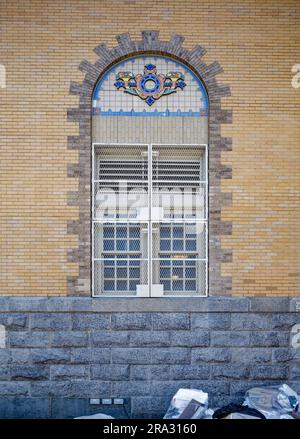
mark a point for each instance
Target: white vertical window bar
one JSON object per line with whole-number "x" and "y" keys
{"x": 149, "y": 217}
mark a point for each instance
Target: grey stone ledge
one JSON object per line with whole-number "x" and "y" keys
{"x": 170, "y": 304}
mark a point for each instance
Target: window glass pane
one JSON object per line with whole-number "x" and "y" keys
{"x": 177, "y": 244}
{"x": 109, "y": 272}
{"x": 121, "y": 232}
{"x": 165, "y": 232}
{"x": 165, "y": 272}
{"x": 191, "y": 245}
{"x": 108, "y": 232}
{"x": 177, "y": 285}
{"x": 167, "y": 285}
{"x": 165, "y": 245}
{"x": 134, "y": 232}
{"x": 190, "y": 285}
{"x": 178, "y": 232}
{"x": 134, "y": 245}
{"x": 178, "y": 272}
{"x": 108, "y": 245}
{"x": 165, "y": 263}
{"x": 134, "y": 273}
{"x": 121, "y": 285}
{"x": 122, "y": 262}
{"x": 121, "y": 245}
{"x": 109, "y": 262}
{"x": 190, "y": 272}
{"x": 133, "y": 284}
{"x": 177, "y": 263}
{"x": 109, "y": 285}
{"x": 122, "y": 273}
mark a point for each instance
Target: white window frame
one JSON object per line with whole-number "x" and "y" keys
{"x": 151, "y": 221}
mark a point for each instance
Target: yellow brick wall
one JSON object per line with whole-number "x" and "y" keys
{"x": 256, "y": 42}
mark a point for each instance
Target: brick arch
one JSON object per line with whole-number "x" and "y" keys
{"x": 150, "y": 44}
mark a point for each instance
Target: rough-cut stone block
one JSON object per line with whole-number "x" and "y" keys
{"x": 269, "y": 372}
{"x": 217, "y": 321}
{"x": 295, "y": 372}
{"x": 269, "y": 304}
{"x": 14, "y": 356}
{"x": 131, "y": 321}
{"x": 25, "y": 372}
{"x": 14, "y": 389}
{"x": 251, "y": 321}
{"x": 211, "y": 355}
{"x": 230, "y": 338}
{"x": 50, "y": 322}
{"x": 285, "y": 355}
{"x": 50, "y": 356}
{"x": 90, "y": 356}
{"x": 13, "y": 322}
{"x": 121, "y": 389}
{"x": 251, "y": 355}
{"x": 113, "y": 372}
{"x": 229, "y": 304}
{"x": 90, "y": 321}
{"x": 5, "y": 357}
{"x": 167, "y": 388}
{"x": 269, "y": 338}
{"x": 71, "y": 389}
{"x": 187, "y": 372}
{"x": 171, "y": 356}
{"x": 232, "y": 371}
{"x": 285, "y": 322}
{"x": 49, "y": 388}
{"x": 4, "y": 372}
{"x": 69, "y": 372}
{"x": 140, "y": 373}
{"x": 110, "y": 338}
{"x": 164, "y": 321}
{"x": 20, "y": 356}
{"x": 160, "y": 372}
{"x": 29, "y": 339}
{"x": 70, "y": 339}
{"x": 190, "y": 338}
{"x": 131, "y": 355}
{"x": 294, "y": 304}
{"x": 149, "y": 338}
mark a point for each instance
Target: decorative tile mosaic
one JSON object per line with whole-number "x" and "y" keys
{"x": 150, "y": 86}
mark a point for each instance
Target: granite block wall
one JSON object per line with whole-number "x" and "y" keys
{"x": 60, "y": 352}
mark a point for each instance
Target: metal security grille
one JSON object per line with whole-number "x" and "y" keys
{"x": 149, "y": 197}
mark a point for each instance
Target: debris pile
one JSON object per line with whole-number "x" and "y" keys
{"x": 280, "y": 402}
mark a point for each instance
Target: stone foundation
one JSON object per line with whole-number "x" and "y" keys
{"x": 62, "y": 351}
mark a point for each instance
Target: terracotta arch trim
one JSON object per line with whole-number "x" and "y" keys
{"x": 150, "y": 44}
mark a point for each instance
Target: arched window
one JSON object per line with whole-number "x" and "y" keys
{"x": 150, "y": 185}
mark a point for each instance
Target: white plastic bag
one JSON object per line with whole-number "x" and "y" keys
{"x": 273, "y": 402}
{"x": 187, "y": 404}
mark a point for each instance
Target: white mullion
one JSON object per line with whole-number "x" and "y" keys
{"x": 150, "y": 218}
{"x": 93, "y": 224}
